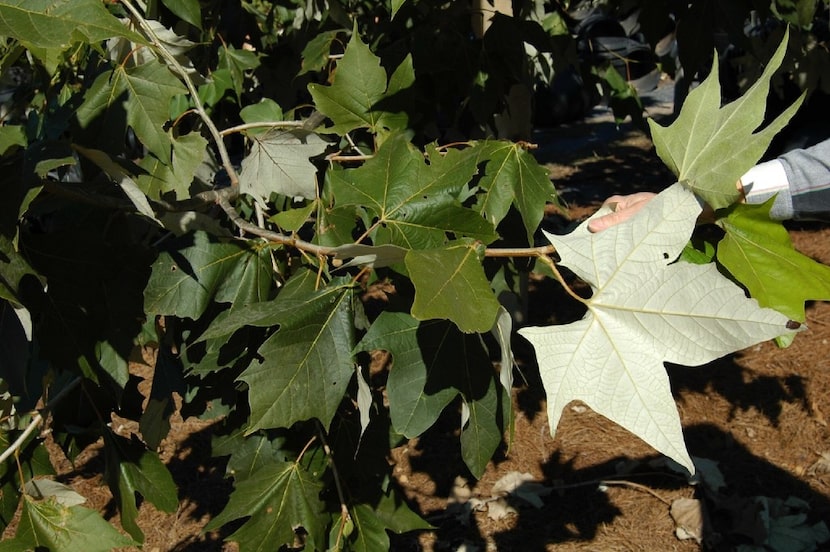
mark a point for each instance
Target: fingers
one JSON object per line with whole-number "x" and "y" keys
{"x": 624, "y": 207}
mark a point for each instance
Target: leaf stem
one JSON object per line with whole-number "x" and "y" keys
{"x": 547, "y": 260}
{"x": 171, "y": 60}
{"x": 37, "y": 419}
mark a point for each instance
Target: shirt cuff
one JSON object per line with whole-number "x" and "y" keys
{"x": 764, "y": 181}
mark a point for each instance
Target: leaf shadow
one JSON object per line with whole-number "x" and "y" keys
{"x": 741, "y": 387}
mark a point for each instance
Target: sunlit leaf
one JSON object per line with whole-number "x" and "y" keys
{"x": 359, "y": 84}
{"x": 759, "y": 253}
{"x": 710, "y": 147}
{"x": 49, "y": 525}
{"x": 413, "y": 204}
{"x": 279, "y": 163}
{"x": 645, "y": 310}
{"x": 450, "y": 284}
{"x": 43, "y": 25}
{"x": 149, "y": 87}
{"x": 512, "y": 176}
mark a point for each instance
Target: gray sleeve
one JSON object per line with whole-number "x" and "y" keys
{"x": 808, "y": 174}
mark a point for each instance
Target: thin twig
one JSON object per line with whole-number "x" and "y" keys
{"x": 263, "y": 124}
{"x": 543, "y": 251}
{"x": 171, "y": 60}
{"x": 636, "y": 486}
{"x": 271, "y": 236}
{"x": 344, "y": 509}
{"x": 37, "y": 419}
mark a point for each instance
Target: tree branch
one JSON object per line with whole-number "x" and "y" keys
{"x": 37, "y": 419}
{"x": 171, "y": 60}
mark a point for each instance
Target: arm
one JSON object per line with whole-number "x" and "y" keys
{"x": 801, "y": 178}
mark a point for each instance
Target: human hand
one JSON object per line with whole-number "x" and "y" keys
{"x": 622, "y": 209}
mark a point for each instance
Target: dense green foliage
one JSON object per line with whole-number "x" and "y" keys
{"x": 265, "y": 193}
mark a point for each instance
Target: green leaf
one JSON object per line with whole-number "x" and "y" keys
{"x": 480, "y": 431}
{"x": 359, "y": 84}
{"x": 645, "y": 310}
{"x": 376, "y": 256}
{"x": 56, "y": 24}
{"x": 154, "y": 423}
{"x": 279, "y": 163}
{"x": 315, "y": 55}
{"x": 187, "y": 10}
{"x": 150, "y": 88}
{"x": 513, "y": 176}
{"x": 758, "y": 252}
{"x": 266, "y": 111}
{"x": 62, "y": 494}
{"x": 12, "y": 135}
{"x": 307, "y": 364}
{"x": 291, "y": 220}
{"x": 412, "y": 204}
{"x": 130, "y": 469}
{"x": 188, "y": 153}
{"x": 120, "y": 176}
{"x": 432, "y": 362}
{"x": 279, "y": 498}
{"x": 710, "y": 147}
{"x": 237, "y": 62}
{"x": 13, "y": 267}
{"x": 47, "y": 524}
{"x": 450, "y": 284}
{"x": 372, "y": 521}
{"x": 186, "y": 280}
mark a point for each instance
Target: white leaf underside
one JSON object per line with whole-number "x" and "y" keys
{"x": 646, "y": 309}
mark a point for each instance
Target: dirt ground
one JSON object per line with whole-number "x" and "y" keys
{"x": 758, "y": 416}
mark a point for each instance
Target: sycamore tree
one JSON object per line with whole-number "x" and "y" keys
{"x": 232, "y": 186}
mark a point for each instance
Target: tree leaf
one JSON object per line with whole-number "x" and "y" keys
{"x": 481, "y": 434}
{"x": 372, "y": 521}
{"x": 307, "y": 364}
{"x": 450, "y": 284}
{"x": 278, "y": 497}
{"x": 359, "y": 84}
{"x": 49, "y": 525}
{"x": 759, "y": 253}
{"x": 187, "y": 10}
{"x": 45, "y": 488}
{"x": 55, "y": 24}
{"x": 513, "y": 176}
{"x": 278, "y": 163}
{"x": 12, "y": 135}
{"x": 13, "y": 267}
{"x": 431, "y": 364}
{"x": 315, "y": 55}
{"x": 120, "y": 176}
{"x": 412, "y": 204}
{"x": 711, "y": 147}
{"x": 188, "y": 153}
{"x": 149, "y": 87}
{"x": 130, "y": 469}
{"x": 197, "y": 271}
{"x": 644, "y": 310}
